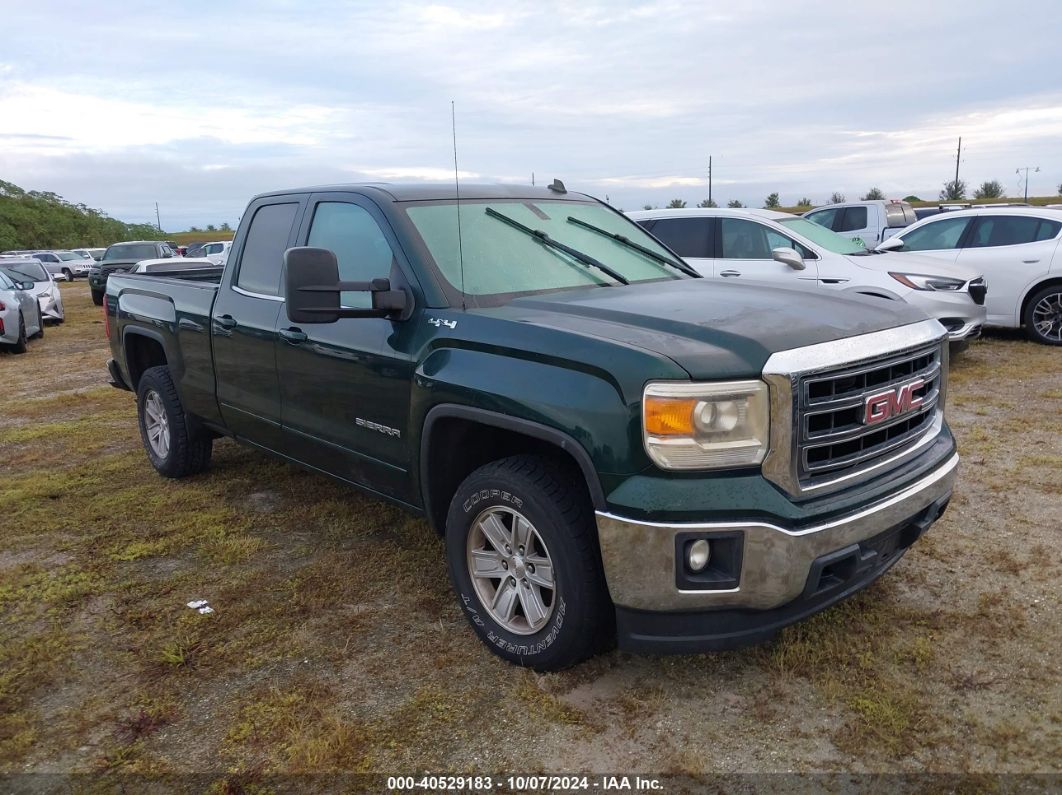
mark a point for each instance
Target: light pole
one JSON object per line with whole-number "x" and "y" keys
{"x": 1026, "y": 169}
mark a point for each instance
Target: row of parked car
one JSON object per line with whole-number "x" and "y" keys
{"x": 983, "y": 265}
{"x": 28, "y": 297}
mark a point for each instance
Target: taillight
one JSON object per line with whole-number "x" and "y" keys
{"x": 106, "y": 319}
{"x": 3, "y": 306}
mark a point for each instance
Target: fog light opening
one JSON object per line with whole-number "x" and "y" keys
{"x": 698, "y": 555}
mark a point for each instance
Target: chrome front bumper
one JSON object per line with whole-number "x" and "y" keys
{"x": 641, "y": 569}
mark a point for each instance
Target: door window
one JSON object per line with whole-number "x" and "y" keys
{"x": 778, "y": 240}
{"x": 853, "y": 218}
{"x": 1011, "y": 230}
{"x": 825, "y": 217}
{"x": 263, "y": 251}
{"x": 687, "y": 237}
{"x": 359, "y": 244}
{"x": 743, "y": 239}
{"x": 936, "y": 235}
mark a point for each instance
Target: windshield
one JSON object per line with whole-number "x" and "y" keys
{"x": 501, "y": 260}
{"x": 66, "y": 256}
{"x": 25, "y": 271}
{"x": 820, "y": 235}
{"x": 130, "y": 251}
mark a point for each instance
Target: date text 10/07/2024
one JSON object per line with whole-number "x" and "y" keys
{"x": 530, "y": 783}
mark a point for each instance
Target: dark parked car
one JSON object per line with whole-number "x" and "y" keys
{"x": 122, "y": 257}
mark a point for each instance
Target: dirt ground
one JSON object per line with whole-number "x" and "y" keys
{"x": 336, "y": 644}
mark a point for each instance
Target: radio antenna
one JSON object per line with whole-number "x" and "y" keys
{"x": 457, "y": 187}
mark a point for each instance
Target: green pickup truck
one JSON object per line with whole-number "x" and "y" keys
{"x": 613, "y": 448}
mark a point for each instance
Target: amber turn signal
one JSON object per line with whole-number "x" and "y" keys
{"x": 668, "y": 416}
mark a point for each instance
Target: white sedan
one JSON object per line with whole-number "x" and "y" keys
{"x": 45, "y": 290}
{"x": 1019, "y": 251}
{"x": 784, "y": 249}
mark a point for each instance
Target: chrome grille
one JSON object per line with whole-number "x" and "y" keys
{"x": 832, "y": 439}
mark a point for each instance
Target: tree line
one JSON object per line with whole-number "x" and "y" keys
{"x": 953, "y": 190}
{"x": 42, "y": 219}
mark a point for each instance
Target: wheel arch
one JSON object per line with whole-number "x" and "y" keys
{"x": 1054, "y": 281}
{"x": 143, "y": 349}
{"x": 487, "y": 436}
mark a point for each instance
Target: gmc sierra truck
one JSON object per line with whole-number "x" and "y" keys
{"x": 613, "y": 448}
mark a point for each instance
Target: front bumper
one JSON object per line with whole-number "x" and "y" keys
{"x": 956, "y": 311}
{"x": 776, "y": 572}
{"x": 51, "y": 309}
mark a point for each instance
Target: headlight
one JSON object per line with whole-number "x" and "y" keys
{"x": 706, "y": 426}
{"x": 920, "y": 281}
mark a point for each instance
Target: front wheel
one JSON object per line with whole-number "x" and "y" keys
{"x": 522, "y": 551}
{"x": 175, "y": 443}
{"x": 1043, "y": 316}
{"x": 97, "y": 298}
{"x": 21, "y": 342}
{"x": 69, "y": 274}
{"x": 40, "y": 324}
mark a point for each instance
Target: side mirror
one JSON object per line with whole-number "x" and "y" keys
{"x": 27, "y": 286}
{"x": 788, "y": 256}
{"x": 892, "y": 244}
{"x": 312, "y": 288}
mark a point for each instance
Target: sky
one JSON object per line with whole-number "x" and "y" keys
{"x": 200, "y": 105}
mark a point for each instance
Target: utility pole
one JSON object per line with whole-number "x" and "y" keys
{"x": 958, "y": 154}
{"x": 158, "y": 221}
{"x": 1026, "y": 169}
{"x": 709, "y": 180}
{"x": 532, "y": 179}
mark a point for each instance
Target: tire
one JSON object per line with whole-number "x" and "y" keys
{"x": 1043, "y": 316}
{"x": 69, "y": 274}
{"x": 575, "y": 618}
{"x": 175, "y": 443}
{"x": 40, "y": 324}
{"x": 97, "y": 298}
{"x": 19, "y": 346}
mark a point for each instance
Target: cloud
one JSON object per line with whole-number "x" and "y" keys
{"x": 202, "y": 105}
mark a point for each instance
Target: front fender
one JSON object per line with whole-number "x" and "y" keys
{"x": 588, "y": 407}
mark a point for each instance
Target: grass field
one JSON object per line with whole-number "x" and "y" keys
{"x": 336, "y": 644}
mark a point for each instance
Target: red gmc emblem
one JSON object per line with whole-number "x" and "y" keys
{"x": 893, "y": 402}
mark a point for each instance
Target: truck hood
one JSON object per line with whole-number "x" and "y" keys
{"x": 711, "y": 329}
{"x": 900, "y": 262}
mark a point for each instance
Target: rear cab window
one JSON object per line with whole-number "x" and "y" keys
{"x": 854, "y": 218}
{"x": 262, "y": 259}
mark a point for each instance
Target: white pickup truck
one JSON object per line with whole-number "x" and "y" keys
{"x": 869, "y": 222}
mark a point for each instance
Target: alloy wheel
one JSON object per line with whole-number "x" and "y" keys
{"x": 156, "y": 424}
{"x": 511, "y": 570}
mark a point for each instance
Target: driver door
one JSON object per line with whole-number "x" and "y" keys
{"x": 345, "y": 386}
{"x": 744, "y": 248}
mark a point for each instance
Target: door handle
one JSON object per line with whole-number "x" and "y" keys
{"x": 730, "y": 273}
{"x": 226, "y": 321}
{"x": 293, "y": 335}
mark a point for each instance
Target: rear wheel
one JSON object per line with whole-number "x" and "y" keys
{"x": 176, "y": 444}
{"x": 20, "y": 343}
{"x": 1043, "y": 316}
{"x": 523, "y": 557}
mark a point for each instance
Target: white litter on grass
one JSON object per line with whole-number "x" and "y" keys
{"x": 201, "y": 606}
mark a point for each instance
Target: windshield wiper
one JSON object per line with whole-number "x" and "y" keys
{"x": 626, "y": 241}
{"x": 548, "y": 241}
